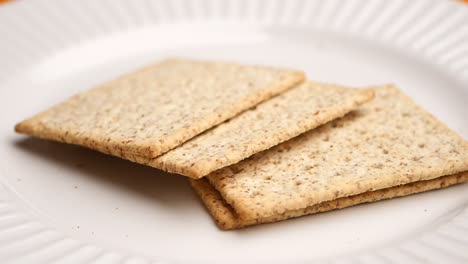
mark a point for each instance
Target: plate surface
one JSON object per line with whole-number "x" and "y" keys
{"x": 65, "y": 204}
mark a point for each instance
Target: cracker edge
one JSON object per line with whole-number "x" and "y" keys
{"x": 227, "y": 219}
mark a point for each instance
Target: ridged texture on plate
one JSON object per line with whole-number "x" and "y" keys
{"x": 25, "y": 239}
{"x": 435, "y": 30}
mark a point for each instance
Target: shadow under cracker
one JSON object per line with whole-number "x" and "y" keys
{"x": 169, "y": 190}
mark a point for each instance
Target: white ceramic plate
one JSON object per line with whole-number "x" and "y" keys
{"x": 65, "y": 204}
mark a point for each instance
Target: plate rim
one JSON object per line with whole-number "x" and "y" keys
{"x": 443, "y": 55}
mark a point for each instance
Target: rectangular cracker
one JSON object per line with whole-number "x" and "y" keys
{"x": 388, "y": 142}
{"x": 226, "y": 218}
{"x": 294, "y": 112}
{"x": 157, "y": 108}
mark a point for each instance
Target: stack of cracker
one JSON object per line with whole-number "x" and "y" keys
{"x": 262, "y": 144}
